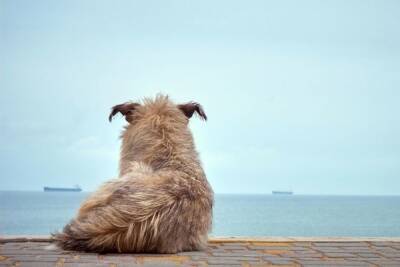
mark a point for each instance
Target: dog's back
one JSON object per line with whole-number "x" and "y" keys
{"x": 162, "y": 201}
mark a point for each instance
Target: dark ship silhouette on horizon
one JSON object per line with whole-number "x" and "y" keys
{"x": 76, "y": 188}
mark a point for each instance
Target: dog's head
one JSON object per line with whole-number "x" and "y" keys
{"x": 161, "y": 105}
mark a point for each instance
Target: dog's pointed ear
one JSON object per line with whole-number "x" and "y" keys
{"x": 189, "y": 108}
{"x": 125, "y": 109}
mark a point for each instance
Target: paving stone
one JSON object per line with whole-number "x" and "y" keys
{"x": 331, "y": 249}
{"x": 36, "y": 264}
{"x": 340, "y": 255}
{"x": 199, "y": 258}
{"x": 306, "y": 252}
{"x": 358, "y": 250}
{"x": 368, "y": 255}
{"x": 304, "y": 256}
{"x": 125, "y": 264}
{"x": 224, "y": 264}
{"x": 387, "y": 249}
{"x": 239, "y": 257}
{"x": 389, "y": 255}
{"x": 264, "y": 264}
{"x": 113, "y": 258}
{"x": 296, "y": 248}
{"x": 28, "y": 252}
{"x": 381, "y": 244}
{"x": 252, "y": 247}
{"x": 30, "y": 258}
{"x": 241, "y": 254}
{"x": 385, "y": 264}
{"x": 85, "y": 265}
{"x": 217, "y": 250}
{"x": 282, "y": 261}
{"x": 335, "y": 264}
{"x": 195, "y": 264}
{"x": 267, "y": 257}
{"x": 341, "y": 244}
{"x": 223, "y": 261}
{"x": 193, "y": 253}
{"x": 249, "y": 252}
{"x": 382, "y": 260}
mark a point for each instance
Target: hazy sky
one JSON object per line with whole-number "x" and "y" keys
{"x": 300, "y": 95}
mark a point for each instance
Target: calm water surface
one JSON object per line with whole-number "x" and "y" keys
{"x": 234, "y": 215}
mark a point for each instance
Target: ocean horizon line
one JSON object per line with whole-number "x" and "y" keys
{"x": 236, "y": 193}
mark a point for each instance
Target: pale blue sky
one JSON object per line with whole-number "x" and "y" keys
{"x": 300, "y": 95}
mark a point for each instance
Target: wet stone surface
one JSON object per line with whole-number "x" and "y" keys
{"x": 219, "y": 253}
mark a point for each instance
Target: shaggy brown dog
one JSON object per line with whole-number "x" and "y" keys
{"x": 162, "y": 201}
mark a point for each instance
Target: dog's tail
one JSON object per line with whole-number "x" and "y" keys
{"x": 107, "y": 233}
{"x": 106, "y": 222}
{"x": 70, "y": 238}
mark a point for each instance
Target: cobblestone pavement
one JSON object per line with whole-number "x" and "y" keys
{"x": 220, "y": 252}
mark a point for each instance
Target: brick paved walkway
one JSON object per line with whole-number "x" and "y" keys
{"x": 223, "y": 251}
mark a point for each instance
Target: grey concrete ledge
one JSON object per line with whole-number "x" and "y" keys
{"x": 302, "y": 239}
{"x": 226, "y": 239}
{"x": 24, "y": 238}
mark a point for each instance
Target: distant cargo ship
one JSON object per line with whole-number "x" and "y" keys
{"x": 282, "y": 192}
{"x": 62, "y": 189}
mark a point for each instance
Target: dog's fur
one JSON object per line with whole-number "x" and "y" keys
{"x": 161, "y": 201}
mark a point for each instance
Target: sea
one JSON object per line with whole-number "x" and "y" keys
{"x": 234, "y": 215}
